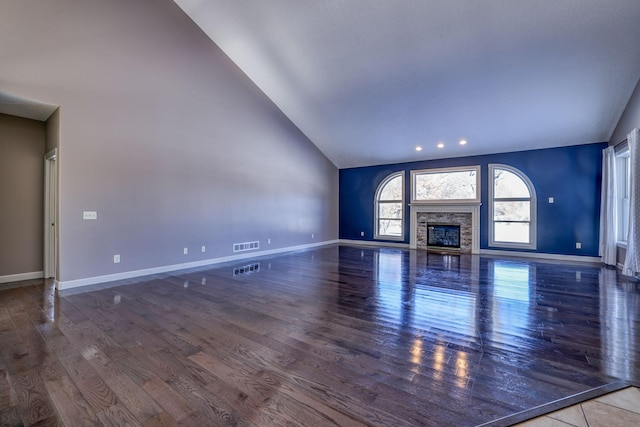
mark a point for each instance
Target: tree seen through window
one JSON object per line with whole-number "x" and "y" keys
{"x": 512, "y": 208}
{"x": 389, "y": 207}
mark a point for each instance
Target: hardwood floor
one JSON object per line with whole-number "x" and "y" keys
{"x": 339, "y": 335}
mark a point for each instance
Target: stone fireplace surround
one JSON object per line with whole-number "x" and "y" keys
{"x": 467, "y": 215}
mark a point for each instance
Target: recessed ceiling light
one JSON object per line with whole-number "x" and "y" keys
{"x": 463, "y": 142}
{"x": 418, "y": 148}
{"x": 440, "y": 145}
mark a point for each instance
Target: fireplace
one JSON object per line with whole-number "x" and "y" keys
{"x": 466, "y": 216}
{"x": 445, "y": 236}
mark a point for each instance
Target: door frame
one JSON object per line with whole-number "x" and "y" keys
{"x": 51, "y": 214}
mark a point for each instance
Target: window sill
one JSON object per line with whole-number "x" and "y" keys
{"x": 393, "y": 238}
{"x": 465, "y": 202}
{"x": 622, "y": 245}
{"x": 512, "y": 246}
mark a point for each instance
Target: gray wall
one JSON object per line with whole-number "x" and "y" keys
{"x": 22, "y": 144}
{"x": 163, "y": 136}
{"x": 629, "y": 120}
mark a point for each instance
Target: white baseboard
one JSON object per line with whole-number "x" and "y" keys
{"x": 21, "y": 276}
{"x": 492, "y": 252}
{"x": 374, "y": 243}
{"x": 542, "y": 255}
{"x": 70, "y": 284}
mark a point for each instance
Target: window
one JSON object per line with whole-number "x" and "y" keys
{"x": 448, "y": 185}
{"x": 390, "y": 207}
{"x": 623, "y": 182}
{"x": 512, "y": 208}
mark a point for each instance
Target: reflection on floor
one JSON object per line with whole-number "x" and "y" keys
{"x": 337, "y": 335}
{"x": 617, "y": 409}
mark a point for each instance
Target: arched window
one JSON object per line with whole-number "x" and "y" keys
{"x": 512, "y": 208}
{"x": 389, "y": 207}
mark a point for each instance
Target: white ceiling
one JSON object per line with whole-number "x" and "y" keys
{"x": 368, "y": 80}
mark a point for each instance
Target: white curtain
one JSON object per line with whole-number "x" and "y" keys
{"x": 608, "y": 208}
{"x": 632, "y": 260}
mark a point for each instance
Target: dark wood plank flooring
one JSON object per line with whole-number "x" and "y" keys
{"x": 339, "y": 335}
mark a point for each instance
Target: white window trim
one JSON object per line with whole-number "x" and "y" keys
{"x": 414, "y": 173}
{"x": 533, "y": 219}
{"x": 622, "y": 154}
{"x": 376, "y": 199}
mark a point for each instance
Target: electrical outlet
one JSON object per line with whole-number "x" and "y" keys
{"x": 89, "y": 215}
{"x": 268, "y": 241}
{"x": 362, "y": 234}
{"x": 313, "y": 235}
{"x": 578, "y": 245}
{"x": 186, "y": 251}
{"x": 116, "y": 259}
{"x": 551, "y": 200}
{"x": 203, "y": 281}
{"x": 203, "y": 249}
{"x": 186, "y": 284}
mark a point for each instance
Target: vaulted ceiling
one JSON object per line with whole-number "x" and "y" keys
{"x": 369, "y": 80}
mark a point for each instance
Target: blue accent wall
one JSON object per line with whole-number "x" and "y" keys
{"x": 571, "y": 175}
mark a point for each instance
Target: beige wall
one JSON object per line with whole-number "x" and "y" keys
{"x": 53, "y": 142}
{"x": 22, "y": 145}
{"x": 52, "y": 126}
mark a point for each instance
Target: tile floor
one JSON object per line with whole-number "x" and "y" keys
{"x": 617, "y": 409}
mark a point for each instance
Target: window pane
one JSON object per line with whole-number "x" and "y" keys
{"x": 623, "y": 225}
{"x": 508, "y": 184}
{"x": 446, "y": 185}
{"x": 511, "y": 232}
{"x": 392, "y": 190}
{"x": 389, "y": 207}
{"x": 511, "y": 211}
{"x": 390, "y": 210}
{"x": 390, "y": 227}
{"x": 623, "y": 184}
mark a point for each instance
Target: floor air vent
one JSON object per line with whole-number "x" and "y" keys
{"x": 246, "y": 246}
